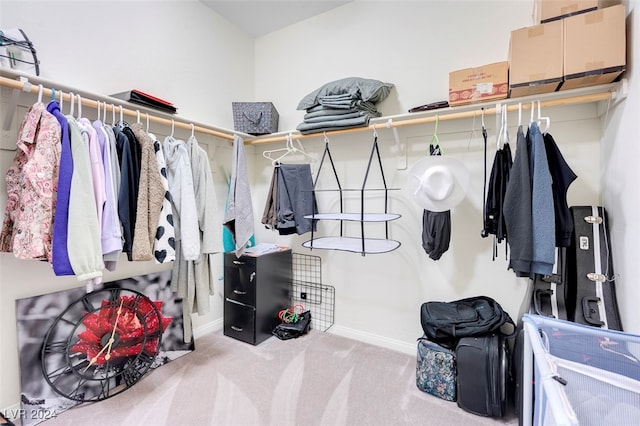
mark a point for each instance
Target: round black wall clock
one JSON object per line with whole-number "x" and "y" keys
{"x": 102, "y": 344}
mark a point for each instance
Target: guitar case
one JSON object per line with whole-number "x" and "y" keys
{"x": 591, "y": 286}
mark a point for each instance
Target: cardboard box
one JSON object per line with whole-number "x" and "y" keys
{"x": 550, "y": 10}
{"x": 536, "y": 59}
{"x": 594, "y": 47}
{"x": 487, "y": 82}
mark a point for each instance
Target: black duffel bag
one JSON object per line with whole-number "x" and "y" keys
{"x": 447, "y": 322}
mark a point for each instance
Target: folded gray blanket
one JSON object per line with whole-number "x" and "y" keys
{"x": 349, "y": 122}
{"x": 325, "y": 112}
{"x": 322, "y": 118}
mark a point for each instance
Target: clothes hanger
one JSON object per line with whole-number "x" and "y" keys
{"x": 193, "y": 130}
{"x": 500, "y": 132}
{"x": 532, "y": 110}
{"x": 505, "y": 138}
{"x": 79, "y": 107}
{"x": 61, "y": 99}
{"x": 268, "y": 153}
{"x": 519, "y": 114}
{"x": 173, "y": 127}
{"x": 546, "y": 119}
{"x": 72, "y": 103}
{"x": 113, "y": 115}
{"x": 40, "y": 90}
{"x": 434, "y": 137}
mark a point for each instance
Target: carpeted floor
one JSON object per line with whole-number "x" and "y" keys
{"x": 318, "y": 379}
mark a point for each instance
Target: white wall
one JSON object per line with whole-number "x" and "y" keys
{"x": 621, "y": 175}
{"x": 411, "y": 44}
{"x": 178, "y": 50}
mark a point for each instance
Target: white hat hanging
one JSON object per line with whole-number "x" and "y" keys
{"x": 438, "y": 183}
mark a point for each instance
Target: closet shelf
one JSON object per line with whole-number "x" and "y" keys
{"x": 604, "y": 92}
{"x": 353, "y": 244}
{"x": 355, "y": 217}
{"x": 30, "y": 84}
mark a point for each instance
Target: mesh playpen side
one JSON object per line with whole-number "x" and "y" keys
{"x": 582, "y": 375}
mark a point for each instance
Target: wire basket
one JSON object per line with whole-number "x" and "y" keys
{"x": 309, "y": 291}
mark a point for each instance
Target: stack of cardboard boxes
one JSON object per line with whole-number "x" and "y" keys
{"x": 576, "y": 43}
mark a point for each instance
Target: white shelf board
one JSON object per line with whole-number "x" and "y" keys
{"x": 356, "y": 217}
{"x": 353, "y": 244}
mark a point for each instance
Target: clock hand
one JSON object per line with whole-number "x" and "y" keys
{"x": 109, "y": 342}
{"x": 113, "y": 332}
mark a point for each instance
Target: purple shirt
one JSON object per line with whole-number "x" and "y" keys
{"x": 60, "y": 255}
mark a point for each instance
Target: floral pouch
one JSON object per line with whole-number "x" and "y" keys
{"x": 436, "y": 370}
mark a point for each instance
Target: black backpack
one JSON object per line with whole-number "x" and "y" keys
{"x": 446, "y": 322}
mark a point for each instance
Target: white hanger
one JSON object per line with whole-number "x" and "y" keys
{"x": 98, "y": 108}
{"x": 61, "y": 99}
{"x": 547, "y": 120}
{"x": 113, "y": 115}
{"x": 40, "y": 93}
{"x": 519, "y": 114}
{"x": 290, "y": 148}
{"x": 79, "y": 107}
{"x": 138, "y": 116}
{"x": 72, "y": 103}
{"x": 173, "y": 127}
{"x": 505, "y": 112}
{"x": 274, "y": 161}
{"x": 193, "y": 130}
{"x": 532, "y": 109}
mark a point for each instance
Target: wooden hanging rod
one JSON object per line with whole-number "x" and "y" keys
{"x": 115, "y": 105}
{"x": 451, "y": 114}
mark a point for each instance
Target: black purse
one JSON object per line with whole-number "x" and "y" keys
{"x": 292, "y": 330}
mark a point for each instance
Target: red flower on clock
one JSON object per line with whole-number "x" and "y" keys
{"x": 130, "y": 331}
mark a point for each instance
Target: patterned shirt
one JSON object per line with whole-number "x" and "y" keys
{"x": 32, "y": 184}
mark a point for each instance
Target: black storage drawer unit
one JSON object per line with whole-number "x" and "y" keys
{"x": 255, "y": 289}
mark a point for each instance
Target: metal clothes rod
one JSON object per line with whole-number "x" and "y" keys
{"x": 444, "y": 115}
{"x": 114, "y": 105}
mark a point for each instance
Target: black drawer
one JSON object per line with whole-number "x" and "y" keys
{"x": 239, "y": 321}
{"x": 240, "y": 279}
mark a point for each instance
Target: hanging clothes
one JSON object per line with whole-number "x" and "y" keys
{"x": 436, "y": 226}
{"x": 199, "y": 272}
{"x": 127, "y": 193}
{"x": 32, "y": 182}
{"x": 111, "y": 232}
{"x": 517, "y": 209}
{"x": 295, "y": 199}
{"x": 60, "y": 255}
{"x": 151, "y": 192}
{"x": 185, "y": 220}
{"x": 83, "y": 243}
{"x": 164, "y": 250}
{"x": 238, "y": 217}
{"x": 561, "y": 178}
{"x": 543, "y": 224}
{"x": 493, "y": 215}
{"x": 269, "y": 216}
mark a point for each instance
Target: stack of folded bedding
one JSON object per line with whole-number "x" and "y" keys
{"x": 342, "y": 104}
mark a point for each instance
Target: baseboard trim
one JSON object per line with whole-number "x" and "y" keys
{"x": 374, "y": 339}
{"x": 13, "y": 413}
{"x": 209, "y": 327}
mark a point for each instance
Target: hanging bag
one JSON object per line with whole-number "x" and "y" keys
{"x": 446, "y": 322}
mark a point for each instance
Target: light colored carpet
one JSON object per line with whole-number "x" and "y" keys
{"x": 317, "y": 379}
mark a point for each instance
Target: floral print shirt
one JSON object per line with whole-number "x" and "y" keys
{"x": 32, "y": 182}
